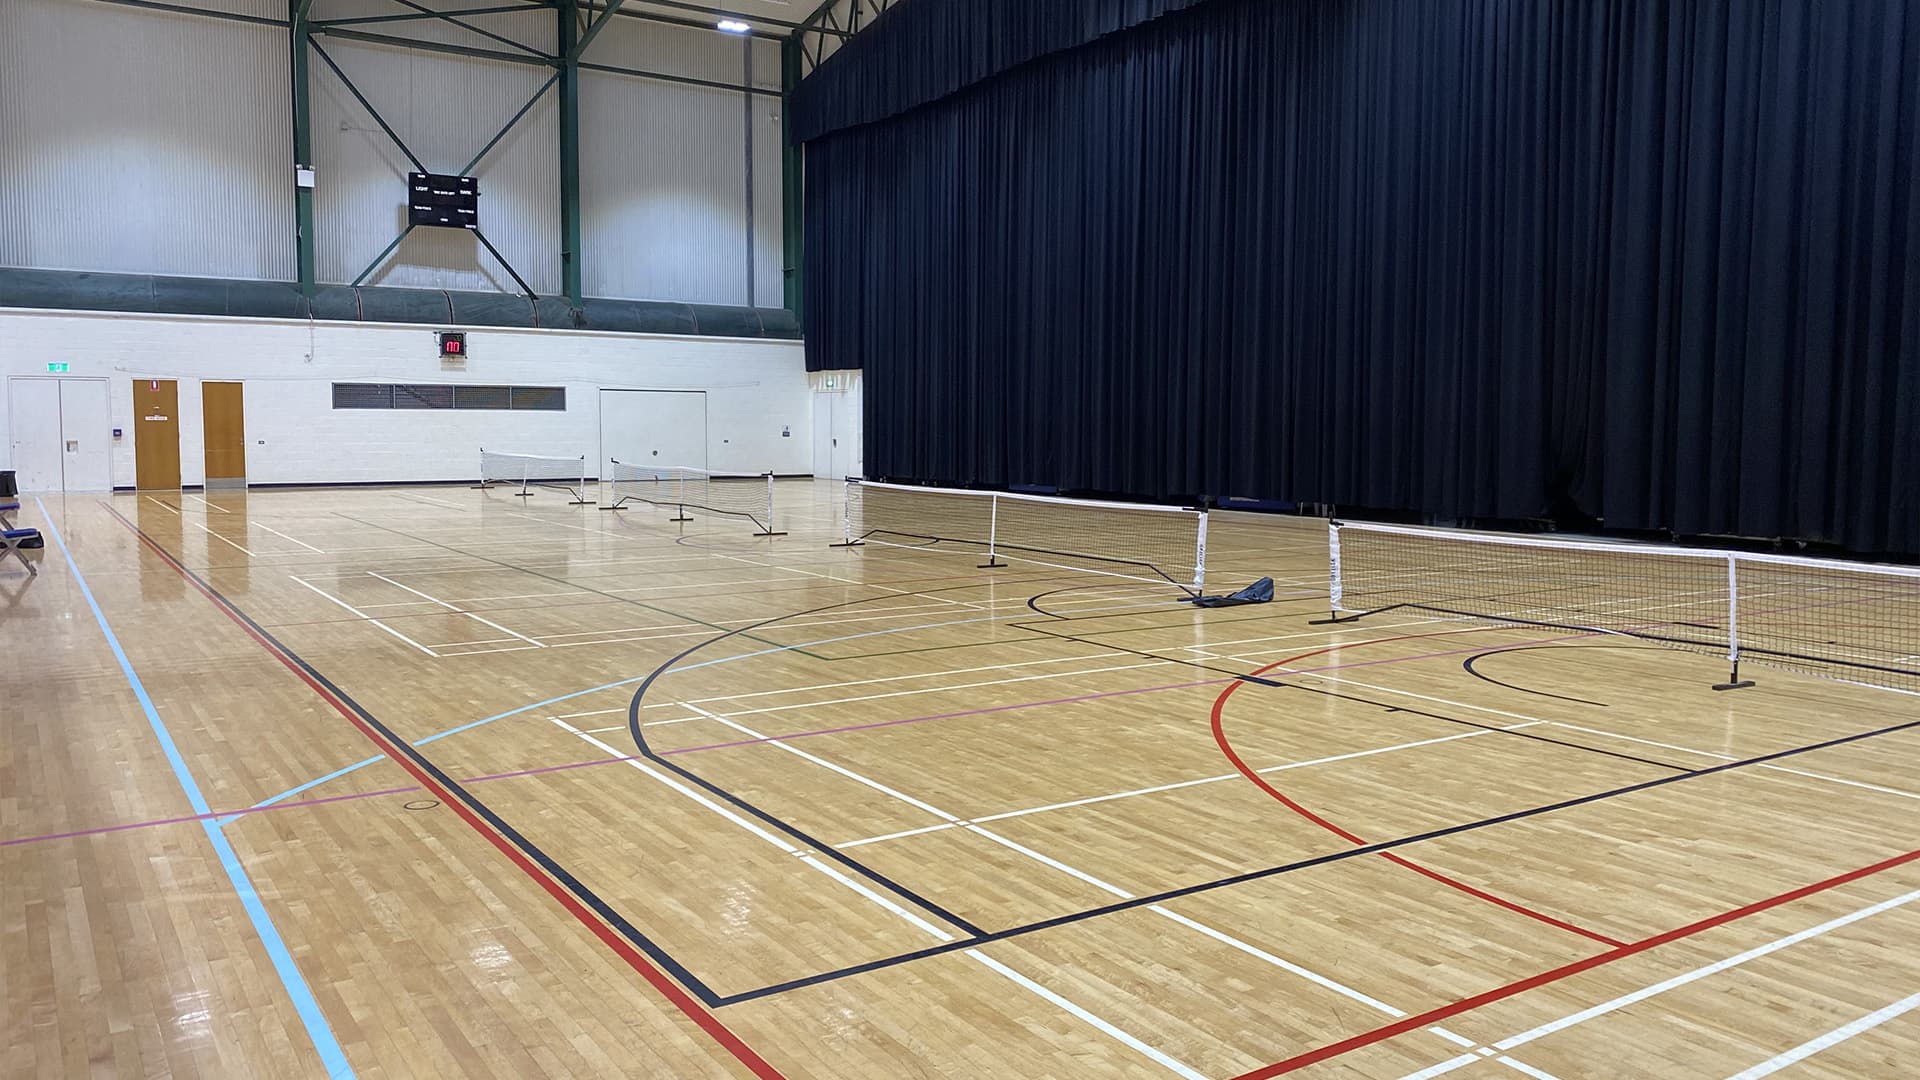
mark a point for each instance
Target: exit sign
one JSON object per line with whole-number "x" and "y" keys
{"x": 59, "y": 368}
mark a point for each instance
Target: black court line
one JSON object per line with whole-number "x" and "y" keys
{"x": 1287, "y": 868}
{"x": 546, "y": 862}
{"x": 1484, "y": 677}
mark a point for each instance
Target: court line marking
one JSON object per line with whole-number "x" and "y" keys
{"x": 164, "y": 506}
{"x": 216, "y": 535}
{"x": 363, "y": 615}
{"x": 1730, "y": 757}
{"x": 1680, "y": 980}
{"x": 1071, "y": 871}
{"x": 284, "y": 536}
{"x": 879, "y": 679}
{"x": 921, "y": 690}
{"x": 332, "y": 1057}
{"x": 603, "y": 687}
{"x": 1832, "y": 1038}
{"x": 1501, "y": 993}
{"x": 1092, "y": 799}
{"x": 894, "y": 908}
{"x": 198, "y": 499}
{"x": 455, "y": 610}
{"x": 592, "y": 913}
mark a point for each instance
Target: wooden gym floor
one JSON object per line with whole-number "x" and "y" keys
{"x": 896, "y": 816}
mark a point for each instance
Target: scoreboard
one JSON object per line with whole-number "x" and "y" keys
{"x": 450, "y": 202}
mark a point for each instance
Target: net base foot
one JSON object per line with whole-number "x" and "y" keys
{"x": 779, "y": 534}
{"x": 1737, "y": 684}
{"x": 1332, "y": 620}
{"x": 523, "y": 494}
{"x": 581, "y": 502}
{"x": 613, "y": 508}
{"x": 849, "y": 543}
{"x": 991, "y": 566}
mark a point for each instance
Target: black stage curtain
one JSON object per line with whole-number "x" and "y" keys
{"x": 907, "y": 58}
{"x": 1651, "y": 263}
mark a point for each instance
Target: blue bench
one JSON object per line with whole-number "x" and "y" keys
{"x": 14, "y": 542}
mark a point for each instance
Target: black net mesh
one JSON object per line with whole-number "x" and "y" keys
{"x": 1150, "y": 543}
{"x": 748, "y": 497}
{"x": 1841, "y": 620}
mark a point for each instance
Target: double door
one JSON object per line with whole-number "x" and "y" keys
{"x": 61, "y": 431}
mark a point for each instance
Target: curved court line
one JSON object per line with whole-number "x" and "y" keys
{"x": 1471, "y": 670}
{"x": 332, "y": 1057}
{"x": 1239, "y": 764}
{"x": 615, "y": 685}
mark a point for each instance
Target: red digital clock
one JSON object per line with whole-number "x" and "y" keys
{"x": 453, "y": 344}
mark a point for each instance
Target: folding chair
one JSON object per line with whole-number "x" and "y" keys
{"x": 14, "y": 542}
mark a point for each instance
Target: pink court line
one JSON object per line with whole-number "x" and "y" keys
{"x": 543, "y": 770}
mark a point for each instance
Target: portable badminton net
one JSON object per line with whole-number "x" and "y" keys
{"x": 1857, "y": 622}
{"x": 683, "y": 489}
{"x": 1126, "y": 540}
{"x": 529, "y": 471}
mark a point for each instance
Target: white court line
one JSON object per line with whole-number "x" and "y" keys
{"x": 213, "y": 534}
{"x": 1832, "y": 1038}
{"x": 457, "y": 611}
{"x": 198, "y": 499}
{"x": 1082, "y": 875}
{"x": 364, "y": 615}
{"x": 1730, "y": 757}
{"x": 814, "y": 861}
{"x": 1665, "y": 985}
{"x": 1090, "y": 800}
{"x": 1160, "y": 1058}
{"x": 939, "y": 689}
{"x": 284, "y": 536}
{"x": 892, "y": 678}
{"x": 422, "y": 498}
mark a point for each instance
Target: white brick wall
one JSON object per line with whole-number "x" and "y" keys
{"x": 294, "y": 435}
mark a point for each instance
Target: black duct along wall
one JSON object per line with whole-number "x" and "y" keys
{"x": 1644, "y": 263}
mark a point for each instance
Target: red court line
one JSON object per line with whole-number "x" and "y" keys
{"x": 658, "y": 979}
{"x": 1226, "y": 747}
{"x": 1533, "y": 982}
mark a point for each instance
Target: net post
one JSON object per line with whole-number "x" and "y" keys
{"x": 767, "y": 529}
{"x": 614, "y": 479}
{"x": 1200, "y": 558}
{"x": 680, "y": 509}
{"x": 482, "y": 485}
{"x": 1334, "y": 587}
{"x": 1734, "y": 681}
{"x": 580, "y": 493}
{"x": 993, "y": 534}
{"x": 846, "y": 517}
{"x": 525, "y": 491}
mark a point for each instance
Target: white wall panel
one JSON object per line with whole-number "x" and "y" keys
{"x": 754, "y": 390}
{"x": 144, "y": 142}
{"x": 445, "y": 108}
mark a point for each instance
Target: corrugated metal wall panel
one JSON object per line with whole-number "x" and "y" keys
{"x": 768, "y": 261}
{"x": 446, "y": 108}
{"x": 663, "y": 190}
{"x": 136, "y": 141}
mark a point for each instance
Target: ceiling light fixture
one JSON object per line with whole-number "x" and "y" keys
{"x": 733, "y": 26}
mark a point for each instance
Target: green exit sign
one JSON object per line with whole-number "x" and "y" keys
{"x": 58, "y": 368}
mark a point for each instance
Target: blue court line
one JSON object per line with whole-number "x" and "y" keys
{"x": 470, "y": 725}
{"x": 331, "y": 1056}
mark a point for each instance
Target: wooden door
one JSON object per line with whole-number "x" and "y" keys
{"x": 156, "y": 433}
{"x": 222, "y": 410}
